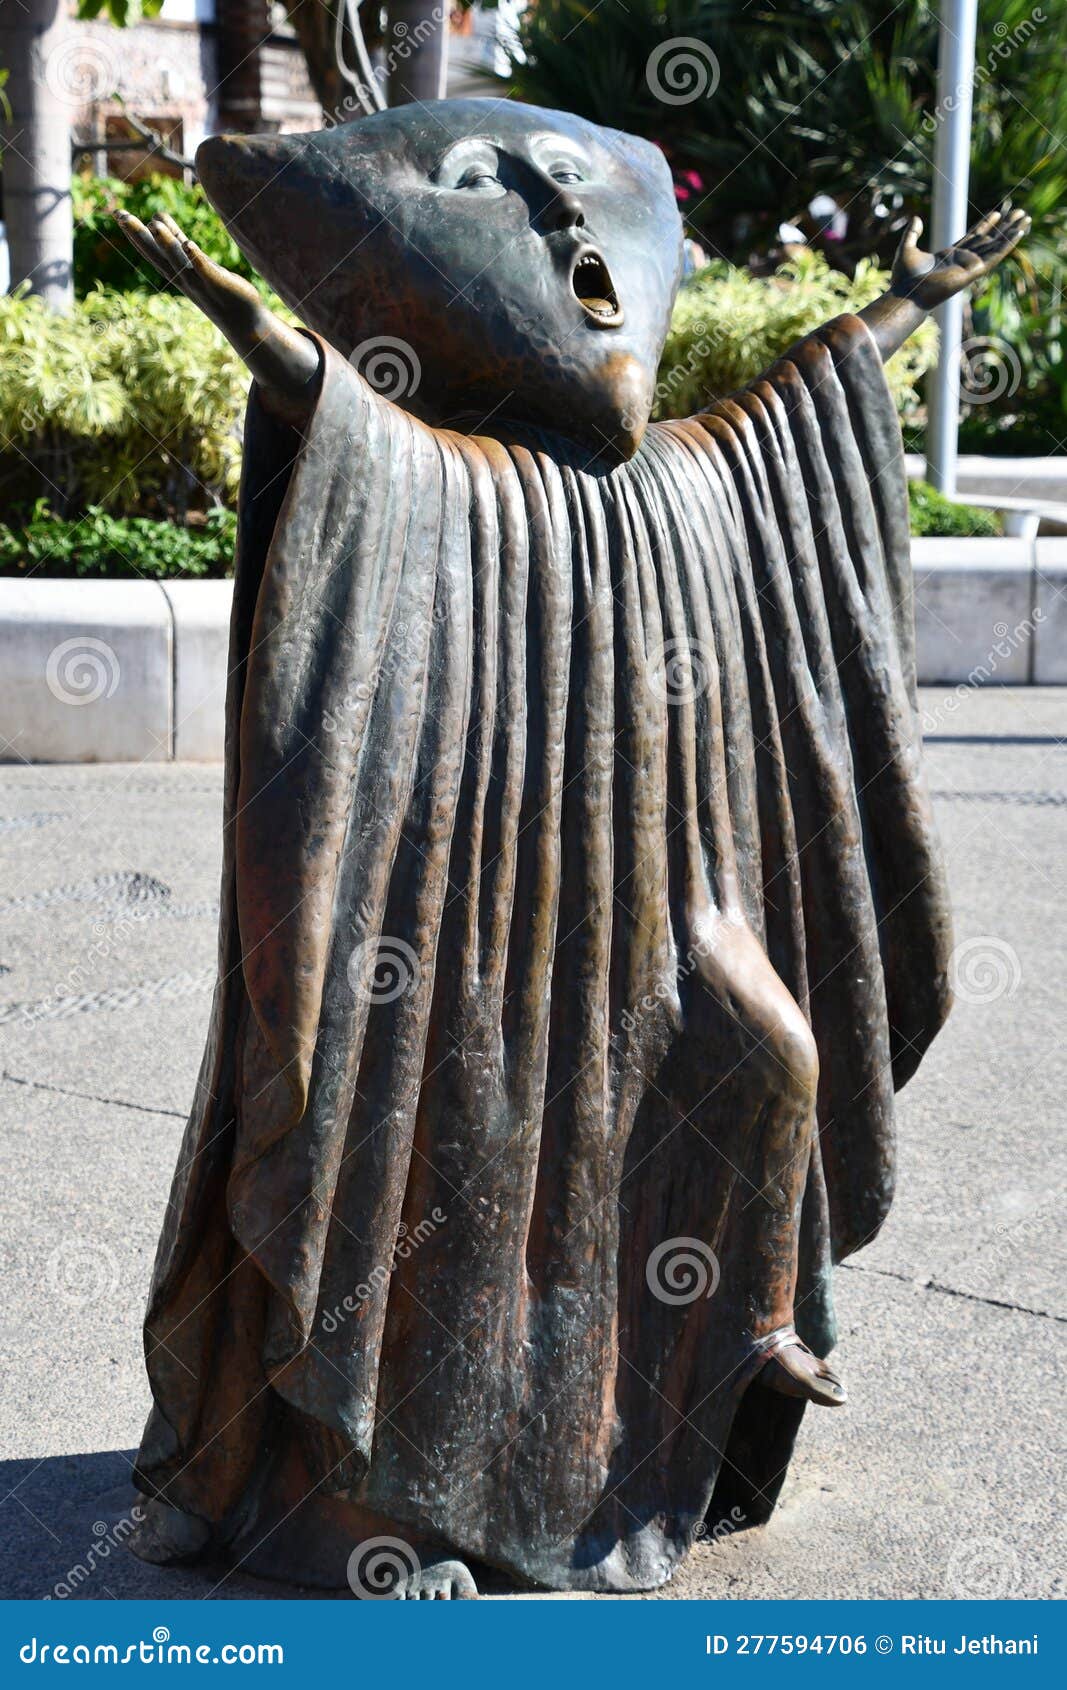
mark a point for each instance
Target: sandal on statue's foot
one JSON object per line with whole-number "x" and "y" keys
{"x": 794, "y": 1370}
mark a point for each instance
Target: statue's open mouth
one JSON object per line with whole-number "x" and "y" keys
{"x": 595, "y": 291}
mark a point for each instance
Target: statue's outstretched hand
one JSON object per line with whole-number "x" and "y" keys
{"x": 283, "y": 361}
{"x": 929, "y": 279}
{"x": 921, "y": 281}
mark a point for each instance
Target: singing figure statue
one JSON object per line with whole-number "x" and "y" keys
{"x": 581, "y": 909}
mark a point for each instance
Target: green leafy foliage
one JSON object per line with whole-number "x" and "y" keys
{"x": 814, "y": 96}
{"x": 729, "y": 325}
{"x": 932, "y": 513}
{"x": 1016, "y": 342}
{"x": 104, "y": 258}
{"x": 99, "y": 544}
{"x": 132, "y": 402}
{"x": 120, "y": 12}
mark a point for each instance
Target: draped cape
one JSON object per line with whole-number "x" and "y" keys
{"x": 518, "y": 746}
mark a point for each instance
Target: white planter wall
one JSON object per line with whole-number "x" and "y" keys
{"x": 85, "y": 672}
{"x": 132, "y": 671}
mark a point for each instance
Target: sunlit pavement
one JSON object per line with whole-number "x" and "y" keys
{"x": 940, "y": 1479}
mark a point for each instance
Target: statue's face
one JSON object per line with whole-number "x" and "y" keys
{"x": 525, "y": 261}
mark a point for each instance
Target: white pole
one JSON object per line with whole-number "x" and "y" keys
{"x": 948, "y": 221}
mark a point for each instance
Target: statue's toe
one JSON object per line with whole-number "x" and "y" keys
{"x": 795, "y": 1371}
{"x": 441, "y": 1581}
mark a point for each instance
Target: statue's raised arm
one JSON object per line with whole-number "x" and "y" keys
{"x": 921, "y": 281}
{"x": 285, "y": 363}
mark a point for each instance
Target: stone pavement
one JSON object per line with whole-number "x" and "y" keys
{"x": 940, "y": 1479}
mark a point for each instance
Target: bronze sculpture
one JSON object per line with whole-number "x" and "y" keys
{"x": 582, "y": 908}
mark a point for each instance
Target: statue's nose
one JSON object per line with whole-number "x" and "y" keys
{"x": 556, "y": 206}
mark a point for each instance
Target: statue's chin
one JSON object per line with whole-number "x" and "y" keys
{"x": 626, "y": 389}
{"x": 604, "y": 411}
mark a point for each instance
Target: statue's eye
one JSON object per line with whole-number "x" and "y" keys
{"x": 479, "y": 178}
{"x": 566, "y": 177}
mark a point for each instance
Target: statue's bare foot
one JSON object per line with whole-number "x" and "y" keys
{"x": 795, "y": 1371}
{"x": 439, "y": 1581}
{"x": 393, "y": 1569}
{"x": 165, "y": 1536}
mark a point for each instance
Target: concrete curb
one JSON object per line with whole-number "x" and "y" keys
{"x": 87, "y": 672}
{"x": 1042, "y": 479}
{"x": 133, "y": 671}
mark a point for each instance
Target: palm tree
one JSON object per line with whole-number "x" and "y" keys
{"x": 35, "y": 143}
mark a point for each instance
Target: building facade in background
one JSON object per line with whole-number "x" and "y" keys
{"x": 209, "y": 65}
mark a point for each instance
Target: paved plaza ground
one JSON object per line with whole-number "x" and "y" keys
{"x": 942, "y": 1476}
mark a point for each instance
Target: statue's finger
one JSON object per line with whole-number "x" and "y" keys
{"x": 1014, "y": 235}
{"x": 210, "y": 274}
{"x": 910, "y": 240}
{"x": 1008, "y": 234}
{"x": 199, "y": 259}
{"x": 984, "y": 224}
{"x": 171, "y": 244}
{"x": 144, "y": 241}
{"x": 168, "y": 223}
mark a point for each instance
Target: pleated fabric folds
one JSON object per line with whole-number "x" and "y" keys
{"x": 557, "y": 796}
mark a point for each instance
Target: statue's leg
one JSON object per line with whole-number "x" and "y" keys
{"x": 779, "y": 1060}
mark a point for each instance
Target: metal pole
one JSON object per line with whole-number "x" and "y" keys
{"x": 948, "y": 221}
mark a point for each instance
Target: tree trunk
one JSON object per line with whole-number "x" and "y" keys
{"x": 35, "y": 138}
{"x": 417, "y": 50}
{"x": 315, "y": 25}
{"x": 416, "y": 56}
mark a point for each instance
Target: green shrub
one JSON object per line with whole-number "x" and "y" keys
{"x": 103, "y": 257}
{"x": 132, "y": 402}
{"x": 101, "y": 544}
{"x": 933, "y": 513}
{"x": 775, "y": 104}
{"x": 729, "y": 325}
